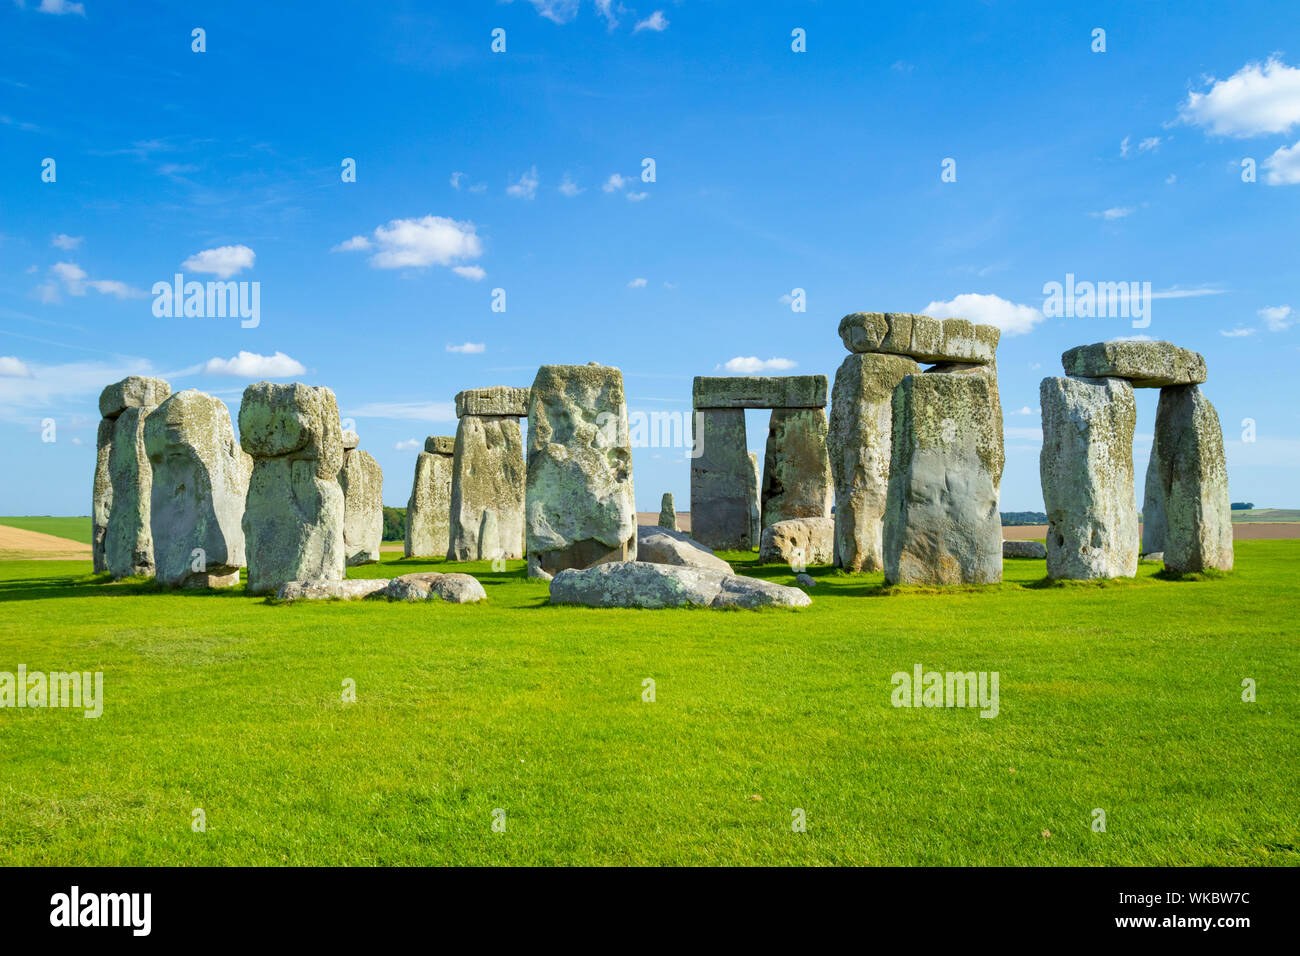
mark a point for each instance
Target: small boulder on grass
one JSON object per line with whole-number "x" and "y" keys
{"x": 433, "y": 585}
{"x": 1024, "y": 549}
{"x": 324, "y": 590}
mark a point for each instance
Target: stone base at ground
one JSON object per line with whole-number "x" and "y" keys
{"x": 327, "y": 590}
{"x": 1194, "y": 482}
{"x": 635, "y": 584}
{"x": 799, "y": 542}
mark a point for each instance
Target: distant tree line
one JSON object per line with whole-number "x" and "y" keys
{"x": 394, "y": 524}
{"x": 1023, "y": 517}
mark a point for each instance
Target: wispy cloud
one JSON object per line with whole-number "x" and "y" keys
{"x": 751, "y": 365}
{"x": 416, "y": 243}
{"x": 656, "y": 23}
{"x": 1278, "y": 318}
{"x": 468, "y": 348}
{"x": 525, "y": 187}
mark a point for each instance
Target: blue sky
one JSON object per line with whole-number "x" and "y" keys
{"x": 774, "y": 170}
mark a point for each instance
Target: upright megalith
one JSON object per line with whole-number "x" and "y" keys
{"x": 1154, "y": 526}
{"x": 200, "y": 483}
{"x": 428, "y": 511}
{"x": 488, "y": 475}
{"x": 753, "y": 497}
{"x": 942, "y": 525}
{"x": 123, "y": 477}
{"x": 797, "y": 479}
{"x": 1194, "y": 482}
{"x": 667, "y": 513}
{"x": 721, "y": 494}
{"x": 1086, "y": 466}
{"x": 579, "y": 502}
{"x": 362, "y": 482}
{"x": 861, "y": 422}
{"x": 293, "y": 516}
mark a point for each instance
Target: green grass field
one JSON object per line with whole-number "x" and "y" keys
{"x": 76, "y": 529}
{"x": 1125, "y": 697}
{"x": 1266, "y": 514}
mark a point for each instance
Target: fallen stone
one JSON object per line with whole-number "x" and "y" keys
{"x": 758, "y": 391}
{"x": 667, "y": 513}
{"x": 1194, "y": 482}
{"x": 799, "y": 542}
{"x": 942, "y": 525}
{"x": 428, "y": 510}
{"x": 325, "y": 590}
{"x": 642, "y": 585}
{"x": 293, "y": 516}
{"x": 1143, "y": 364}
{"x": 920, "y": 337}
{"x": 134, "y": 391}
{"x": 199, "y": 486}
{"x": 488, "y": 478}
{"x": 659, "y": 545}
{"x": 1086, "y": 466}
{"x": 431, "y": 585}
{"x": 362, "y": 482}
{"x": 499, "y": 400}
{"x": 805, "y": 580}
{"x": 858, "y": 442}
{"x": 797, "y": 480}
{"x": 579, "y": 502}
{"x": 1024, "y": 549}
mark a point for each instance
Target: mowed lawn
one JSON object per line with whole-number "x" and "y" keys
{"x": 1125, "y": 698}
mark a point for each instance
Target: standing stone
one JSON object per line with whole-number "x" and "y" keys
{"x": 1086, "y": 467}
{"x": 428, "y": 511}
{"x": 1154, "y": 527}
{"x": 580, "y": 506}
{"x": 988, "y": 370}
{"x": 942, "y": 525}
{"x": 125, "y": 500}
{"x": 102, "y": 496}
{"x": 861, "y": 422}
{"x": 200, "y": 482}
{"x": 754, "y": 491}
{"x": 721, "y": 495}
{"x": 488, "y": 475}
{"x": 797, "y": 479}
{"x": 362, "y": 482}
{"x": 293, "y": 517}
{"x": 667, "y": 513}
{"x": 1194, "y": 481}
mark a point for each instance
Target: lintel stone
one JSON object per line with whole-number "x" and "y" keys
{"x": 502, "y": 400}
{"x": 758, "y": 391}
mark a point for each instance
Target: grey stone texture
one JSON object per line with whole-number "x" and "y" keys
{"x": 134, "y": 391}
{"x": 454, "y": 588}
{"x": 101, "y": 499}
{"x": 1024, "y": 549}
{"x": 428, "y": 510}
{"x": 579, "y": 503}
{"x": 1154, "y": 527}
{"x": 362, "y": 482}
{"x": 754, "y": 497}
{"x": 659, "y": 545}
{"x": 293, "y": 516}
{"x": 722, "y": 494}
{"x": 1194, "y": 482}
{"x": 758, "y": 391}
{"x": 331, "y": 590}
{"x": 797, "y": 480}
{"x": 199, "y": 486}
{"x": 799, "y": 542}
{"x": 1086, "y": 466}
{"x": 1143, "y": 364}
{"x": 132, "y": 544}
{"x": 861, "y": 423}
{"x": 920, "y": 337}
{"x": 942, "y": 525}
{"x": 487, "y": 486}
{"x": 497, "y": 401}
{"x": 637, "y": 584}
{"x": 667, "y": 513}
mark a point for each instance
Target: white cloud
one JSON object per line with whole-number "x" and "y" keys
{"x": 1284, "y": 166}
{"x": 1026, "y": 410}
{"x": 1115, "y": 212}
{"x": 28, "y": 398}
{"x": 526, "y": 188}
{"x": 14, "y": 367}
{"x": 606, "y": 9}
{"x": 615, "y": 183}
{"x": 1011, "y": 318}
{"x": 473, "y": 273}
{"x": 119, "y": 290}
{"x": 656, "y": 22}
{"x": 1237, "y": 333}
{"x": 1148, "y": 144}
{"x": 1278, "y": 318}
{"x": 75, "y": 282}
{"x": 62, "y": 241}
{"x": 222, "y": 262}
{"x": 409, "y": 445}
{"x": 455, "y": 179}
{"x": 568, "y": 187}
{"x": 469, "y": 348}
{"x": 557, "y": 11}
{"x": 70, "y": 274}
{"x": 1176, "y": 293}
{"x": 1255, "y": 100}
{"x": 406, "y": 411}
{"x": 60, "y": 7}
{"x": 637, "y": 283}
{"x": 252, "y": 365}
{"x": 749, "y": 365}
{"x": 416, "y": 243}
{"x": 1124, "y": 147}
{"x": 636, "y": 197}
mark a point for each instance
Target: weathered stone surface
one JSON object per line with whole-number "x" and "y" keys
{"x": 754, "y": 493}
{"x": 453, "y": 588}
{"x": 499, "y": 400}
{"x": 667, "y": 513}
{"x": 428, "y": 510}
{"x": 1143, "y": 364}
{"x": 1086, "y": 467}
{"x": 668, "y": 546}
{"x": 797, "y": 480}
{"x": 639, "y": 584}
{"x": 759, "y": 391}
{"x": 942, "y": 525}
{"x": 579, "y": 502}
{"x": 134, "y": 391}
{"x": 861, "y": 422}
{"x": 293, "y": 516}
{"x": 350, "y": 440}
{"x": 362, "y": 482}
{"x": 1154, "y": 528}
{"x": 488, "y": 478}
{"x": 128, "y": 538}
{"x": 919, "y": 337}
{"x": 988, "y": 370}
{"x": 1194, "y": 482}
{"x": 1156, "y": 557}
{"x": 440, "y": 444}
{"x": 325, "y": 590}
{"x": 805, "y": 580}
{"x": 200, "y": 482}
{"x": 1024, "y": 549}
{"x": 721, "y": 493}
{"x": 799, "y": 542}
{"x": 101, "y": 500}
